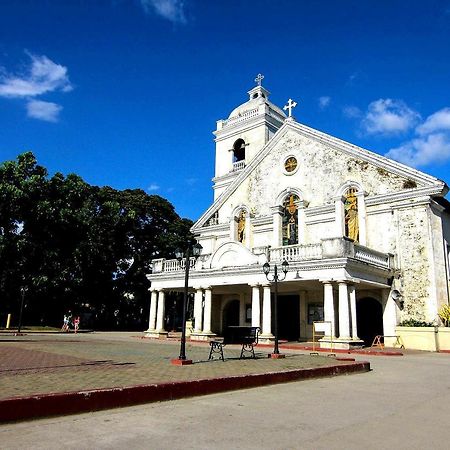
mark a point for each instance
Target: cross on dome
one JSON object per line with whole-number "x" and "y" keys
{"x": 290, "y": 106}
{"x": 259, "y": 79}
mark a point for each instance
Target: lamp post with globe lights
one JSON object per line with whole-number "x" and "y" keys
{"x": 275, "y": 278}
{"x": 196, "y": 250}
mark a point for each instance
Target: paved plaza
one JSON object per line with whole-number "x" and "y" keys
{"x": 36, "y": 364}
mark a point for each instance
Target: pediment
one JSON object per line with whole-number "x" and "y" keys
{"x": 232, "y": 254}
{"x": 387, "y": 176}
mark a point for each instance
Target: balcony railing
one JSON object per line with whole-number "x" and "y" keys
{"x": 296, "y": 252}
{"x": 238, "y": 165}
{"x": 326, "y": 249}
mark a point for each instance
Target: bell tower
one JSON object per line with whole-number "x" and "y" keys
{"x": 246, "y": 131}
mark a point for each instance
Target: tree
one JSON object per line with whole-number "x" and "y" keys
{"x": 80, "y": 247}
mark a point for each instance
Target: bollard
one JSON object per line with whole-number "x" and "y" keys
{"x": 8, "y": 321}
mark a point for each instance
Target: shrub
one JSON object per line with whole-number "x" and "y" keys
{"x": 416, "y": 323}
{"x": 444, "y": 314}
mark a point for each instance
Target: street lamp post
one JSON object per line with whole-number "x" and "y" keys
{"x": 196, "y": 250}
{"x": 23, "y": 289}
{"x": 276, "y": 278}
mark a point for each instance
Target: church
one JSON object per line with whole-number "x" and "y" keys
{"x": 366, "y": 239}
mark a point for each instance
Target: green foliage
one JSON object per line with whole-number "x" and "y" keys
{"x": 415, "y": 323}
{"x": 444, "y": 314}
{"x": 79, "y": 247}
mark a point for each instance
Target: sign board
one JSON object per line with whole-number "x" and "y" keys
{"x": 323, "y": 327}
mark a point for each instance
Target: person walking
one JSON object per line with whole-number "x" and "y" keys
{"x": 76, "y": 323}
{"x": 65, "y": 326}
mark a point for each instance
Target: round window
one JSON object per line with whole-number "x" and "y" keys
{"x": 290, "y": 164}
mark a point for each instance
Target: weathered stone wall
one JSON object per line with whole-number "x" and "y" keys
{"x": 414, "y": 254}
{"x": 322, "y": 170}
{"x": 437, "y": 218}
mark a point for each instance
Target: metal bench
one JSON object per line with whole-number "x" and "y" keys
{"x": 245, "y": 336}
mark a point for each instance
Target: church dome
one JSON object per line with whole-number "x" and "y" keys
{"x": 258, "y": 96}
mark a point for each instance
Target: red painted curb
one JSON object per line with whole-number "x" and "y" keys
{"x": 84, "y": 401}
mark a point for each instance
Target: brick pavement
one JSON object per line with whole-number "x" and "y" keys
{"x": 42, "y": 364}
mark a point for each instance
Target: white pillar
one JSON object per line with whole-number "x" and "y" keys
{"x": 339, "y": 216}
{"x": 208, "y": 306}
{"x": 198, "y": 310}
{"x": 161, "y": 311}
{"x": 344, "y": 317}
{"x": 267, "y": 311}
{"x": 303, "y": 332}
{"x": 277, "y": 212}
{"x": 256, "y": 307}
{"x": 389, "y": 313}
{"x": 328, "y": 305}
{"x": 241, "y": 309}
{"x": 352, "y": 295}
{"x": 153, "y": 305}
{"x": 301, "y": 223}
{"x": 361, "y": 204}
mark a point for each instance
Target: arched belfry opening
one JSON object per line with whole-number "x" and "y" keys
{"x": 239, "y": 150}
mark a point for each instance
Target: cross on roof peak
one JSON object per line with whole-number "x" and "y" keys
{"x": 259, "y": 79}
{"x": 290, "y": 105}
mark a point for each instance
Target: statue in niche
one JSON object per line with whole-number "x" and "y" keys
{"x": 351, "y": 215}
{"x": 290, "y": 218}
{"x": 241, "y": 227}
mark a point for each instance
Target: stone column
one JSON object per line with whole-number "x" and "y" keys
{"x": 352, "y": 295}
{"x": 277, "y": 212}
{"x": 161, "y": 311}
{"x": 241, "y": 309}
{"x": 328, "y": 306}
{"x": 256, "y": 307}
{"x": 153, "y": 305}
{"x": 389, "y": 315}
{"x": 267, "y": 311}
{"x": 301, "y": 222}
{"x": 208, "y": 306}
{"x": 344, "y": 317}
{"x": 198, "y": 310}
{"x": 303, "y": 332}
{"x": 361, "y": 204}
{"x": 339, "y": 216}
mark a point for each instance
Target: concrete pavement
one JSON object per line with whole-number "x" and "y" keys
{"x": 404, "y": 403}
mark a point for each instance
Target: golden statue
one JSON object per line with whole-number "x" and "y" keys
{"x": 241, "y": 227}
{"x": 351, "y": 216}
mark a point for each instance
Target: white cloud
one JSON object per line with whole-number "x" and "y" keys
{"x": 172, "y": 10}
{"x": 153, "y": 187}
{"x": 324, "y": 101}
{"x": 48, "y": 111}
{"x": 42, "y": 76}
{"x": 438, "y": 121}
{"x": 352, "y": 112}
{"x": 422, "y": 151}
{"x": 387, "y": 116}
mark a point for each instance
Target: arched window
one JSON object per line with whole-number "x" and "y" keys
{"x": 351, "y": 214}
{"x": 290, "y": 220}
{"x": 239, "y": 150}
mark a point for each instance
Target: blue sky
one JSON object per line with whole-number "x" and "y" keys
{"x": 126, "y": 93}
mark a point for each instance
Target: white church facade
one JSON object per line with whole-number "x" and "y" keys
{"x": 367, "y": 239}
